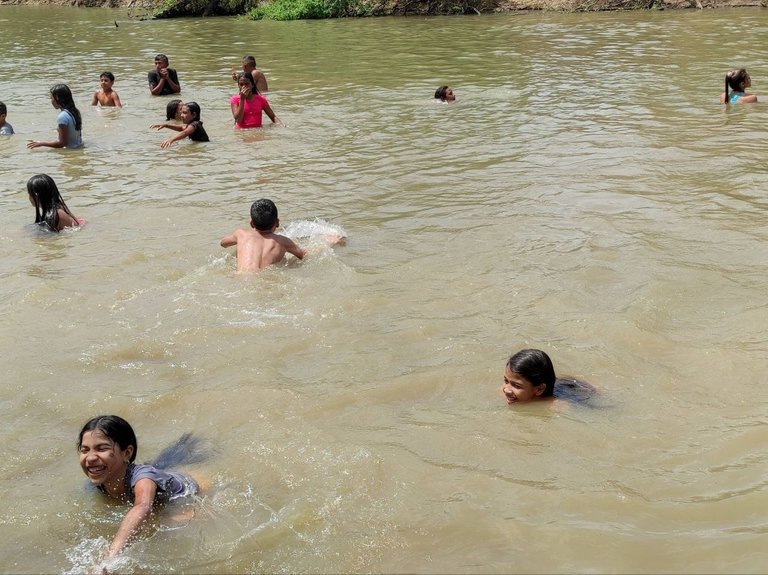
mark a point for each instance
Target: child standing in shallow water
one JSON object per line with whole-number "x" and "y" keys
{"x": 107, "y": 446}
{"x": 106, "y": 96}
{"x": 530, "y": 376}
{"x": 69, "y": 122}
{"x": 192, "y": 128}
{"x": 249, "y": 103}
{"x": 738, "y": 81}
{"x": 50, "y": 209}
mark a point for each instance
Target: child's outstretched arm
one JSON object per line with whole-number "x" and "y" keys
{"x": 61, "y": 143}
{"x": 291, "y": 247}
{"x": 229, "y": 241}
{"x": 144, "y": 492}
{"x": 186, "y": 131}
{"x": 159, "y": 127}
{"x": 116, "y": 100}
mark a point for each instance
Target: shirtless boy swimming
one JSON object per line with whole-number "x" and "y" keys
{"x": 261, "y": 246}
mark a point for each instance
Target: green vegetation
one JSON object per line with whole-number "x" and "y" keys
{"x": 314, "y": 9}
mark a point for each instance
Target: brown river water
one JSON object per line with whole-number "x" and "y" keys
{"x": 586, "y": 194}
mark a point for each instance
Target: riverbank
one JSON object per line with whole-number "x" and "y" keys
{"x": 407, "y": 7}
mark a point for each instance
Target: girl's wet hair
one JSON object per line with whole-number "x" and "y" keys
{"x": 194, "y": 109}
{"x": 733, "y": 80}
{"x": 536, "y": 367}
{"x": 440, "y": 93}
{"x": 249, "y": 77}
{"x": 47, "y": 199}
{"x": 113, "y": 427}
{"x": 172, "y": 109}
{"x": 63, "y": 96}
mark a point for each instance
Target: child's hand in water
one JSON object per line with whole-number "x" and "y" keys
{"x": 157, "y": 126}
{"x": 166, "y": 143}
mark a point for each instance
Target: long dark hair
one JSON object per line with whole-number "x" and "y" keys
{"x": 535, "y": 366}
{"x": 440, "y": 93}
{"x": 115, "y": 428}
{"x": 194, "y": 108}
{"x": 733, "y": 79}
{"x": 248, "y": 76}
{"x": 63, "y": 96}
{"x": 47, "y": 199}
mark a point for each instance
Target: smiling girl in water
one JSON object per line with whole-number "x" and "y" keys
{"x": 192, "y": 128}
{"x": 107, "y": 446}
{"x": 530, "y": 376}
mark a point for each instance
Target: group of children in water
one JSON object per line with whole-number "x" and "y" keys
{"x": 107, "y": 444}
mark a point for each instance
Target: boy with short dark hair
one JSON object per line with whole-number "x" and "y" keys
{"x": 106, "y": 96}
{"x": 5, "y": 128}
{"x": 163, "y": 80}
{"x": 261, "y": 246}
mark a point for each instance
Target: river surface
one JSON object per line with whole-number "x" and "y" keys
{"x": 586, "y": 194}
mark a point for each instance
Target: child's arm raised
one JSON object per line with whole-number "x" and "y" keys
{"x": 144, "y": 491}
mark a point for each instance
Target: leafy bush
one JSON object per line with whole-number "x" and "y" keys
{"x": 314, "y": 9}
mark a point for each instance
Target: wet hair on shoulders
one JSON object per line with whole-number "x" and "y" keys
{"x": 63, "y": 96}
{"x": 536, "y": 367}
{"x": 47, "y": 200}
{"x": 194, "y": 109}
{"x": 249, "y": 78}
{"x": 733, "y": 80}
{"x": 113, "y": 427}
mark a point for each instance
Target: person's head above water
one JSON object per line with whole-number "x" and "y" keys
{"x": 264, "y": 215}
{"x": 445, "y": 94}
{"x": 246, "y": 79}
{"x": 173, "y": 110}
{"x": 112, "y": 428}
{"x": 528, "y": 376}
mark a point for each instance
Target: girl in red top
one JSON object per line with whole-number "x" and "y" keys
{"x": 248, "y": 105}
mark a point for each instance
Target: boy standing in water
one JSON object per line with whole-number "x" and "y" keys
{"x": 261, "y": 246}
{"x": 249, "y": 67}
{"x": 106, "y": 96}
{"x": 163, "y": 80}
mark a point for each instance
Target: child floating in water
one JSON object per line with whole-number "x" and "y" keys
{"x": 50, "y": 209}
{"x": 530, "y": 376}
{"x": 192, "y": 128}
{"x": 445, "y": 94}
{"x": 106, "y": 97}
{"x": 261, "y": 246}
{"x": 737, "y": 81}
{"x": 107, "y": 446}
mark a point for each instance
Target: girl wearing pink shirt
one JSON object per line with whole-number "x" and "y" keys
{"x": 248, "y": 105}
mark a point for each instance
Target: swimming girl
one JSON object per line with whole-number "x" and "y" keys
{"x": 738, "y": 81}
{"x": 50, "y": 209}
{"x": 69, "y": 122}
{"x": 445, "y": 94}
{"x": 249, "y": 103}
{"x": 107, "y": 446}
{"x": 192, "y": 128}
{"x": 173, "y": 110}
{"x": 530, "y": 376}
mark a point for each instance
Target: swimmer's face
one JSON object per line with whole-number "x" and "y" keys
{"x": 517, "y": 389}
{"x": 105, "y": 82}
{"x": 160, "y": 64}
{"x": 449, "y": 97}
{"x": 54, "y": 103}
{"x": 243, "y": 83}
{"x": 247, "y": 66}
{"x": 186, "y": 115}
{"x": 747, "y": 83}
{"x": 102, "y": 460}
